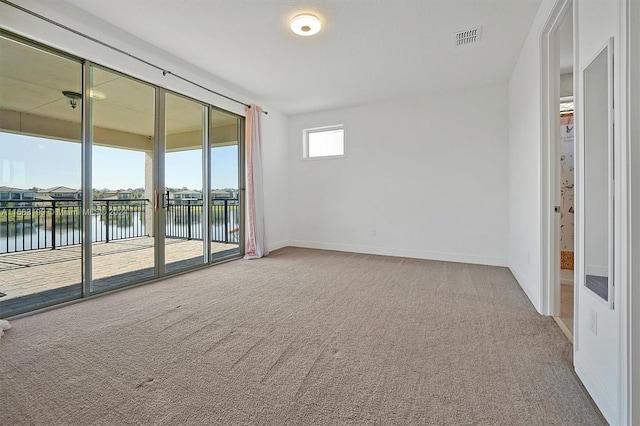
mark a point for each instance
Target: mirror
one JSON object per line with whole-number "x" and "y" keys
{"x": 598, "y": 174}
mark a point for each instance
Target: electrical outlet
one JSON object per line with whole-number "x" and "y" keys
{"x": 593, "y": 322}
{"x": 373, "y": 233}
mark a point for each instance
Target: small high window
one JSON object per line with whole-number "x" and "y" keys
{"x": 324, "y": 142}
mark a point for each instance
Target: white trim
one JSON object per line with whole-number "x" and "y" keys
{"x": 615, "y": 215}
{"x": 278, "y": 245}
{"x": 578, "y": 203}
{"x": 631, "y": 315}
{"x": 599, "y": 392}
{"x": 398, "y": 252}
{"x": 549, "y": 190}
{"x": 625, "y": 210}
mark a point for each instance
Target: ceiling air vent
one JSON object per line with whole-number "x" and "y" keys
{"x": 468, "y": 36}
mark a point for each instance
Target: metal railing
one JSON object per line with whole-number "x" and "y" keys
{"x": 119, "y": 219}
{"x": 58, "y": 223}
{"x": 25, "y": 228}
{"x": 225, "y": 219}
{"x": 184, "y": 220}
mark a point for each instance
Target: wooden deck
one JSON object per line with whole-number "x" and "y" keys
{"x": 39, "y": 277}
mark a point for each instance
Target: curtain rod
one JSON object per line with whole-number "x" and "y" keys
{"x": 137, "y": 58}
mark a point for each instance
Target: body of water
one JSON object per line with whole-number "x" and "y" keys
{"x": 29, "y": 236}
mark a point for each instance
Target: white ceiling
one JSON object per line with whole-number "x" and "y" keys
{"x": 368, "y": 50}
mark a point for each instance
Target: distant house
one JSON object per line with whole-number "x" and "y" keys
{"x": 58, "y": 193}
{"x": 220, "y": 193}
{"x": 16, "y": 196}
{"x": 117, "y": 195}
{"x": 185, "y": 197}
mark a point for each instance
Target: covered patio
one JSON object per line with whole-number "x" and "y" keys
{"x": 31, "y": 279}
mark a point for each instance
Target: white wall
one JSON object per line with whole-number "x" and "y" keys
{"x": 425, "y": 177}
{"x": 524, "y": 162}
{"x": 275, "y": 157}
{"x": 274, "y": 124}
{"x": 600, "y": 356}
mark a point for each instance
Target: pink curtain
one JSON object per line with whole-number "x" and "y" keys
{"x": 256, "y": 246}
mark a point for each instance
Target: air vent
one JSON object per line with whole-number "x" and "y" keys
{"x": 468, "y": 36}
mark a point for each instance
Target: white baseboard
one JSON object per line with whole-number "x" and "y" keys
{"x": 278, "y": 245}
{"x": 396, "y": 252}
{"x": 533, "y": 298}
{"x": 596, "y": 389}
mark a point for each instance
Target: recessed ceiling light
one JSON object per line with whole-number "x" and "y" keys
{"x": 97, "y": 95}
{"x": 306, "y": 24}
{"x": 73, "y": 97}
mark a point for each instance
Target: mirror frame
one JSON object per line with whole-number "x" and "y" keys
{"x": 608, "y": 48}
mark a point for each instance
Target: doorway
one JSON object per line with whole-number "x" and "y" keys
{"x": 566, "y": 141}
{"x": 150, "y": 183}
{"x": 558, "y": 64}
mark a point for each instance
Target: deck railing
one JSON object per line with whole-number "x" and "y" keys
{"x": 119, "y": 219}
{"x": 184, "y": 220}
{"x": 58, "y": 223}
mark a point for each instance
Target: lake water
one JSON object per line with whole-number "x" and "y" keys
{"x": 34, "y": 237}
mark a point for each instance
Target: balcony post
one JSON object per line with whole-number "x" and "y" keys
{"x": 188, "y": 219}
{"x": 149, "y": 194}
{"x": 107, "y": 223}
{"x": 53, "y": 225}
{"x": 226, "y": 220}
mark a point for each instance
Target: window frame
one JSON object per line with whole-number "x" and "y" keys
{"x": 305, "y": 141}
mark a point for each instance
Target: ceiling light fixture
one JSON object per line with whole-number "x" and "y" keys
{"x": 73, "y": 98}
{"x": 306, "y": 24}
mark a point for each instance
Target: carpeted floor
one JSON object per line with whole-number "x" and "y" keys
{"x": 301, "y": 337}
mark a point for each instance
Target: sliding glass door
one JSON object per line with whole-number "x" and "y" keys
{"x": 122, "y": 216}
{"x": 183, "y": 195}
{"x": 40, "y": 177}
{"x": 225, "y": 160}
{"x": 105, "y": 180}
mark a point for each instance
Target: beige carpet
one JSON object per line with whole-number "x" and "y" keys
{"x": 301, "y": 337}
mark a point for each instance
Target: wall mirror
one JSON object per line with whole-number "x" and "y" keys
{"x": 598, "y": 174}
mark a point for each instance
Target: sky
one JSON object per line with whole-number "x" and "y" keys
{"x": 27, "y": 161}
